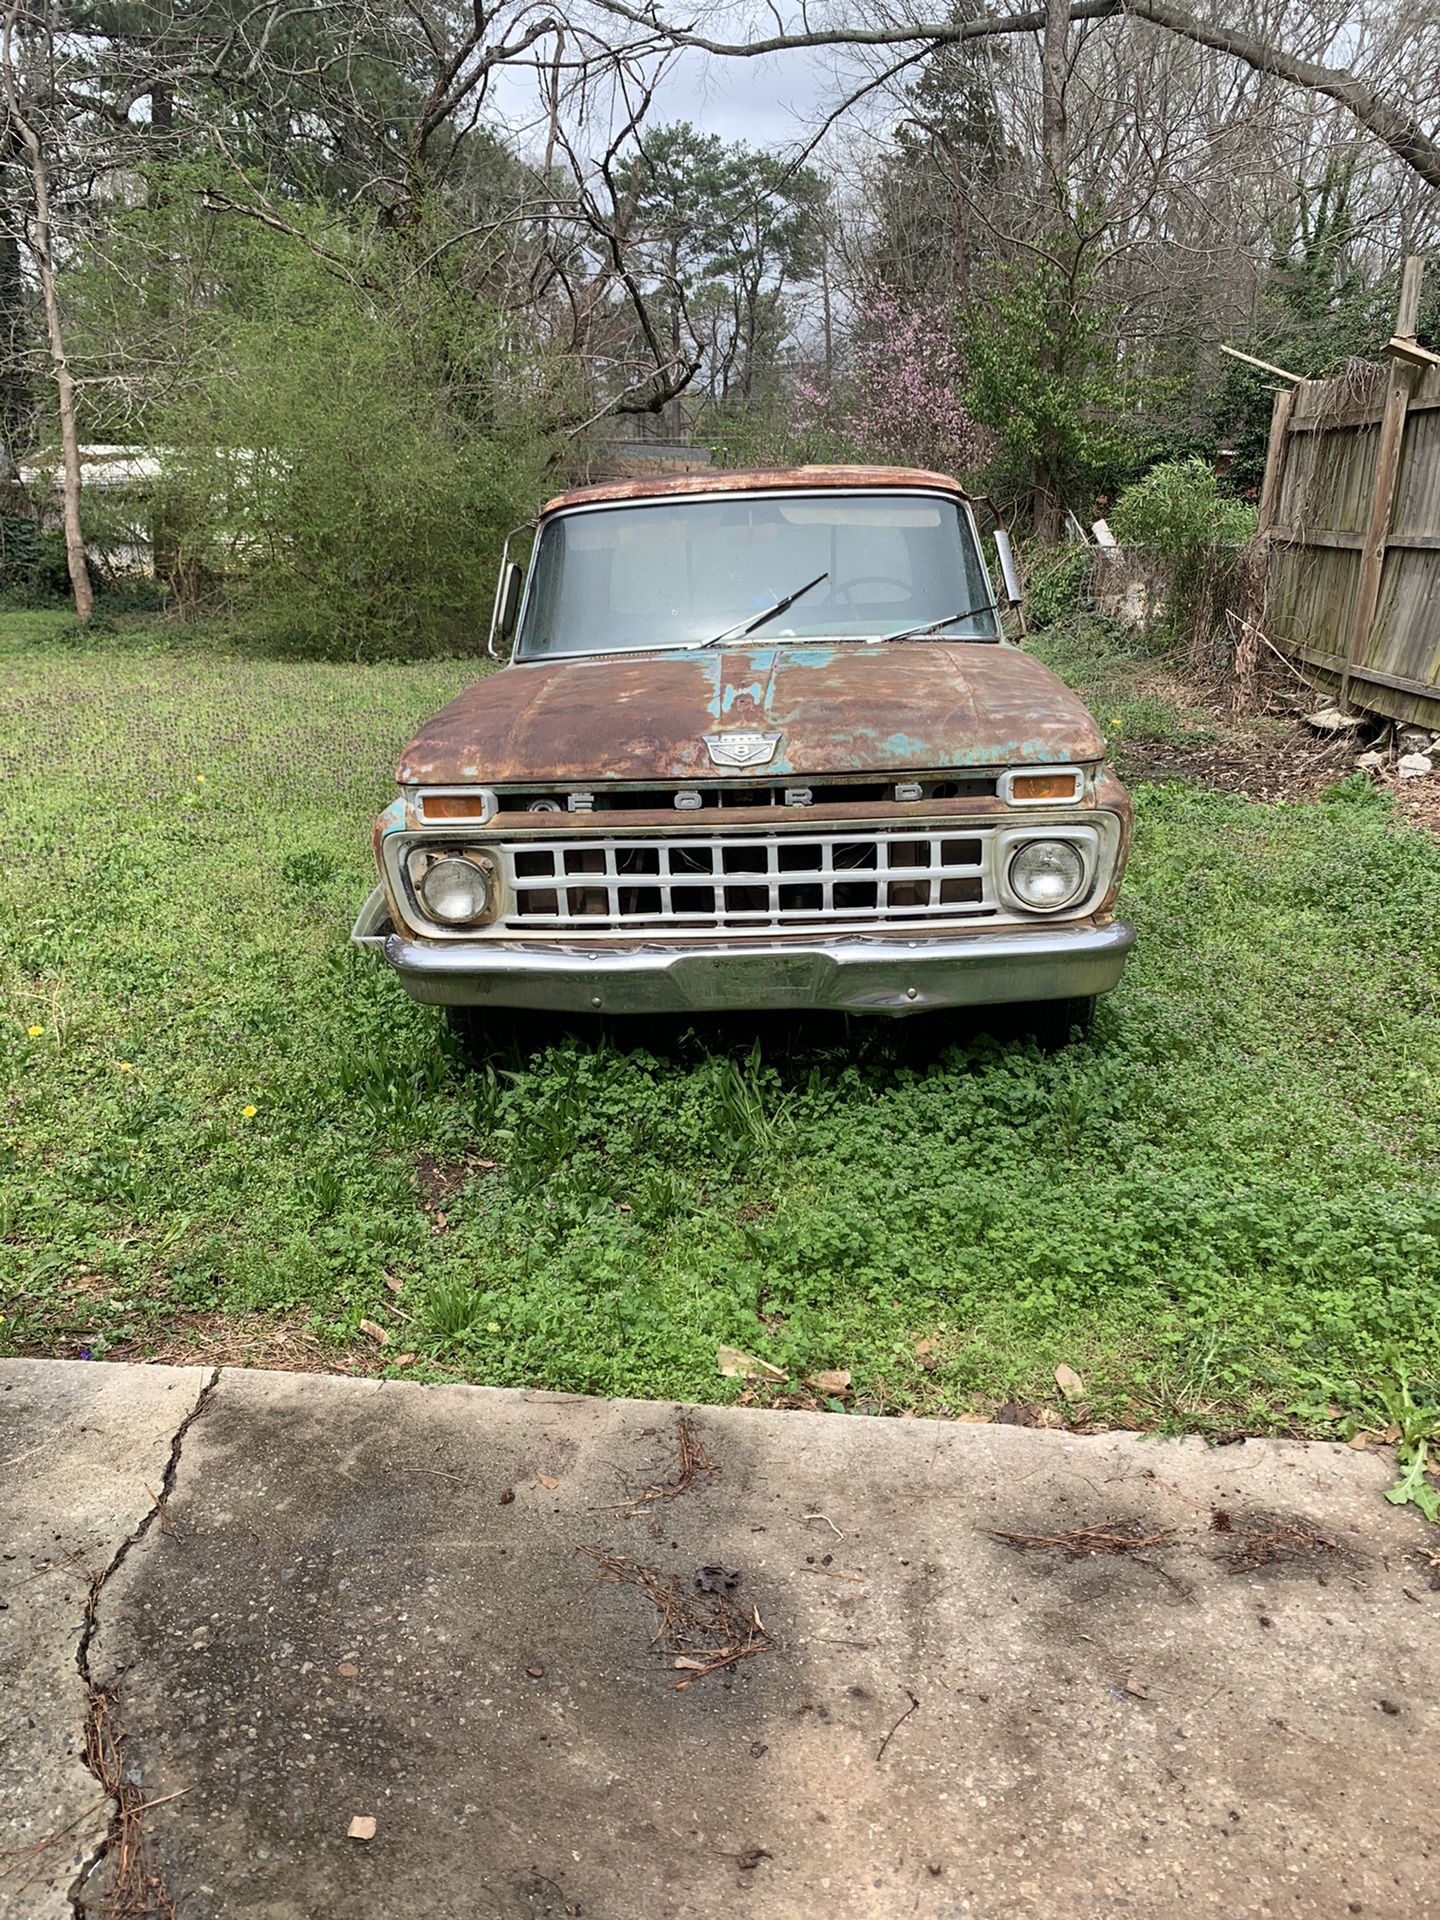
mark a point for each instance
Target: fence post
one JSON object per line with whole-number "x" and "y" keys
{"x": 1387, "y": 474}
{"x": 1275, "y": 459}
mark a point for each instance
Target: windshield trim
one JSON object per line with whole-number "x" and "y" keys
{"x": 958, "y": 500}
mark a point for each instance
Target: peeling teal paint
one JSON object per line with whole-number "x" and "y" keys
{"x": 392, "y": 818}
{"x": 839, "y": 707}
{"x": 903, "y": 747}
{"x": 798, "y": 657}
{"x": 764, "y": 661}
{"x": 754, "y": 693}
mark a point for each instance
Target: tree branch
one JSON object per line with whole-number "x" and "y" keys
{"x": 1395, "y": 129}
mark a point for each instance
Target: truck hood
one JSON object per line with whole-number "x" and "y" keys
{"x": 912, "y": 705}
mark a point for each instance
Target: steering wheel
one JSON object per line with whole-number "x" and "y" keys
{"x": 847, "y": 587}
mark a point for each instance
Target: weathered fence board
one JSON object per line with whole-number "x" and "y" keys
{"x": 1350, "y": 512}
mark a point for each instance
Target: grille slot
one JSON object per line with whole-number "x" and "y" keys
{"x": 758, "y": 880}
{"x": 621, "y": 797}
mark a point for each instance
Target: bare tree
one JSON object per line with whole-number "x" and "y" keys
{"x": 1388, "y": 120}
{"x": 39, "y": 240}
{"x": 1054, "y": 45}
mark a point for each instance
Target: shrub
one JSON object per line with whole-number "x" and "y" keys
{"x": 1068, "y": 421}
{"x": 347, "y": 470}
{"x": 1179, "y": 515}
{"x": 1057, "y": 584}
{"x": 33, "y": 569}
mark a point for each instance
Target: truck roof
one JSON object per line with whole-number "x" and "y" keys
{"x": 753, "y": 480}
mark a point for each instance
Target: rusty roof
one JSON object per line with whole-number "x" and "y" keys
{"x": 753, "y": 480}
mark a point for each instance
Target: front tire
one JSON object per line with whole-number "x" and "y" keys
{"x": 480, "y": 1034}
{"x": 1057, "y": 1024}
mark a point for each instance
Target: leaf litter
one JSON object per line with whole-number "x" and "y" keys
{"x": 1260, "y": 1540}
{"x": 700, "y": 1629}
{"x": 1131, "y": 1538}
{"x": 694, "y": 1458}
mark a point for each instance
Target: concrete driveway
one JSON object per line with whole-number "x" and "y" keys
{"x": 368, "y": 1650}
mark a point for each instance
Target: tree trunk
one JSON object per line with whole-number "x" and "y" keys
{"x": 14, "y": 381}
{"x": 1045, "y": 503}
{"x": 64, "y": 381}
{"x": 162, "y": 127}
{"x": 752, "y": 303}
{"x": 677, "y": 404}
{"x": 1045, "y": 510}
{"x": 164, "y": 537}
{"x": 827, "y": 318}
{"x": 1054, "y": 47}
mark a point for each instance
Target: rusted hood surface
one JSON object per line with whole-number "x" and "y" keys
{"x": 847, "y": 709}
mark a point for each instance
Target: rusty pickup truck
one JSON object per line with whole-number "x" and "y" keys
{"x": 760, "y": 743}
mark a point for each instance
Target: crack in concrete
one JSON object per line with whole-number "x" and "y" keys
{"x": 103, "y": 1735}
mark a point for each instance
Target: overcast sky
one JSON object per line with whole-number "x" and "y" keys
{"x": 769, "y": 103}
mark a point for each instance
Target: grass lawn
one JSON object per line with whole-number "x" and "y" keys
{"x": 219, "y": 1126}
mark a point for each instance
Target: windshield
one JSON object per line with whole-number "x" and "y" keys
{"x": 677, "y": 573}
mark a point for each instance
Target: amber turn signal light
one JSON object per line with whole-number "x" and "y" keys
{"x": 453, "y": 806}
{"x": 1043, "y": 786}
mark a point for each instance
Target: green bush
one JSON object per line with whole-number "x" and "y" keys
{"x": 1070, "y": 417}
{"x": 348, "y": 467}
{"x": 1179, "y": 513}
{"x": 33, "y": 570}
{"x": 1180, "y": 516}
{"x": 1057, "y": 584}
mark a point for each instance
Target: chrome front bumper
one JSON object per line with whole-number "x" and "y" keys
{"x": 860, "y": 973}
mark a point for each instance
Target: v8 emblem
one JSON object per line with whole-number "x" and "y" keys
{"x": 742, "y": 749}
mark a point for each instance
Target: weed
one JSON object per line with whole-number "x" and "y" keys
{"x": 752, "y": 1114}
{"x": 451, "y": 1308}
{"x": 308, "y": 869}
{"x": 661, "y": 1196}
{"x": 1057, "y": 584}
{"x": 390, "y": 1089}
{"x": 1359, "y": 790}
{"x": 1416, "y": 1412}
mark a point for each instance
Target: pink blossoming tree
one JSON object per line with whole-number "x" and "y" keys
{"x": 897, "y": 400}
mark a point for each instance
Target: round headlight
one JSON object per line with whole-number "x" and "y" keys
{"x": 1047, "y": 874}
{"x": 455, "y": 890}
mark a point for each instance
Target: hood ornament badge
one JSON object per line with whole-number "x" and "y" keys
{"x": 742, "y": 749}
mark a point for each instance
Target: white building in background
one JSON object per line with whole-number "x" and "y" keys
{"x": 124, "y": 478}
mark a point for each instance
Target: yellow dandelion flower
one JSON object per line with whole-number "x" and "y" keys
{"x": 199, "y": 779}
{"x": 249, "y": 1112}
{"x": 126, "y": 1066}
{"x": 34, "y": 1032}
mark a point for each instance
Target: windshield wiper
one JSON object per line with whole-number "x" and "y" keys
{"x": 918, "y": 633}
{"x": 741, "y": 628}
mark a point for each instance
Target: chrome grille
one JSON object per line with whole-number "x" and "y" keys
{"x": 755, "y": 880}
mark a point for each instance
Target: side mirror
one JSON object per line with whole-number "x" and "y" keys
{"x": 1008, "y": 569}
{"x": 507, "y": 607}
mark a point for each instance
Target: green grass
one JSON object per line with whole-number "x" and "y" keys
{"x": 1117, "y": 673}
{"x": 1225, "y": 1212}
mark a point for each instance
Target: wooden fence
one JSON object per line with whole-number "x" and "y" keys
{"x": 1350, "y": 513}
